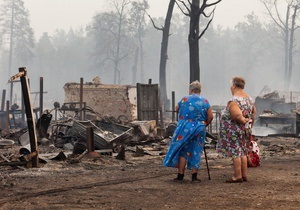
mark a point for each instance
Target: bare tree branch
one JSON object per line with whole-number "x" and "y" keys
{"x": 271, "y": 15}
{"x": 204, "y": 30}
{"x": 208, "y": 16}
{"x": 277, "y": 12}
{"x": 186, "y": 7}
{"x": 212, "y": 4}
{"x": 295, "y": 52}
{"x": 110, "y": 31}
{"x": 156, "y": 27}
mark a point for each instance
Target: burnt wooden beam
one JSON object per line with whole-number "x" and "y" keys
{"x": 3, "y": 100}
{"x": 29, "y": 115}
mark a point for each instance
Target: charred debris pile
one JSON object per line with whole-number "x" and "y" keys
{"x": 71, "y": 138}
{"x": 278, "y": 114}
{"x": 74, "y": 132}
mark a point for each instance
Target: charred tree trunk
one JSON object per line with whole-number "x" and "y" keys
{"x": 288, "y": 27}
{"x": 117, "y": 56}
{"x": 286, "y": 49}
{"x": 193, "y": 40}
{"x": 291, "y": 47}
{"x": 141, "y": 52}
{"x": 195, "y": 33}
{"x": 164, "y": 53}
{"x": 134, "y": 68}
{"x": 11, "y": 53}
{"x": 116, "y": 67}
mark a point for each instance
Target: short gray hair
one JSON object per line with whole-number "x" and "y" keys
{"x": 238, "y": 82}
{"x": 195, "y": 87}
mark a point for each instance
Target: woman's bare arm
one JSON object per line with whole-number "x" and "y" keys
{"x": 210, "y": 116}
{"x": 236, "y": 113}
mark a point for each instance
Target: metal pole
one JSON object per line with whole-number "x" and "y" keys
{"x": 81, "y": 98}
{"x": 7, "y": 116}
{"x": 41, "y": 95}
{"x": 29, "y": 115}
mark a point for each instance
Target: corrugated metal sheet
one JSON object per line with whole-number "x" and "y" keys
{"x": 105, "y": 134}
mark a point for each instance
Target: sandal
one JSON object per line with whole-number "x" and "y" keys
{"x": 244, "y": 179}
{"x": 231, "y": 180}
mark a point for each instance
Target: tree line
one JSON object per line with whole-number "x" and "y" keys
{"x": 122, "y": 46}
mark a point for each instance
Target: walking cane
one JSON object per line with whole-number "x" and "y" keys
{"x": 214, "y": 138}
{"x": 208, "y": 172}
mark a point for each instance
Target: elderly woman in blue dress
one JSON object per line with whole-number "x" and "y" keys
{"x": 236, "y": 122}
{"x": 186, "y": 146}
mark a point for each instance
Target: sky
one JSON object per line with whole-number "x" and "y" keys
{"x": 49, "y": 15}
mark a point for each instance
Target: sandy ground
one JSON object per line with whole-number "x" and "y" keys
{"x": 143, "y": 183}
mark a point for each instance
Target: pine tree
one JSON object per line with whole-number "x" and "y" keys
{"x": 17, "y": 35}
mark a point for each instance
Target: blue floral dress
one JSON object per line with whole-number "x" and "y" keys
{"x": 234, "y": 138}
{"x": 190, "y": 133}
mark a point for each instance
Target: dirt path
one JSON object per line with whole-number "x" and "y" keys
{"x": 142, "y": 183}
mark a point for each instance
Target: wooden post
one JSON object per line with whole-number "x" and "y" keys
{"x": 3, "y": 100}
{"x": 23, "y": 112}
{"x": 90, "y": 139}
{"x": 29, "y": 115}
{"x": 157, "y": 105}
{"x": 173, "y": 106}
{"x": 11, "y": 93}
{"x": 2, "y": 108}
{"x": 139, "y": 101}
